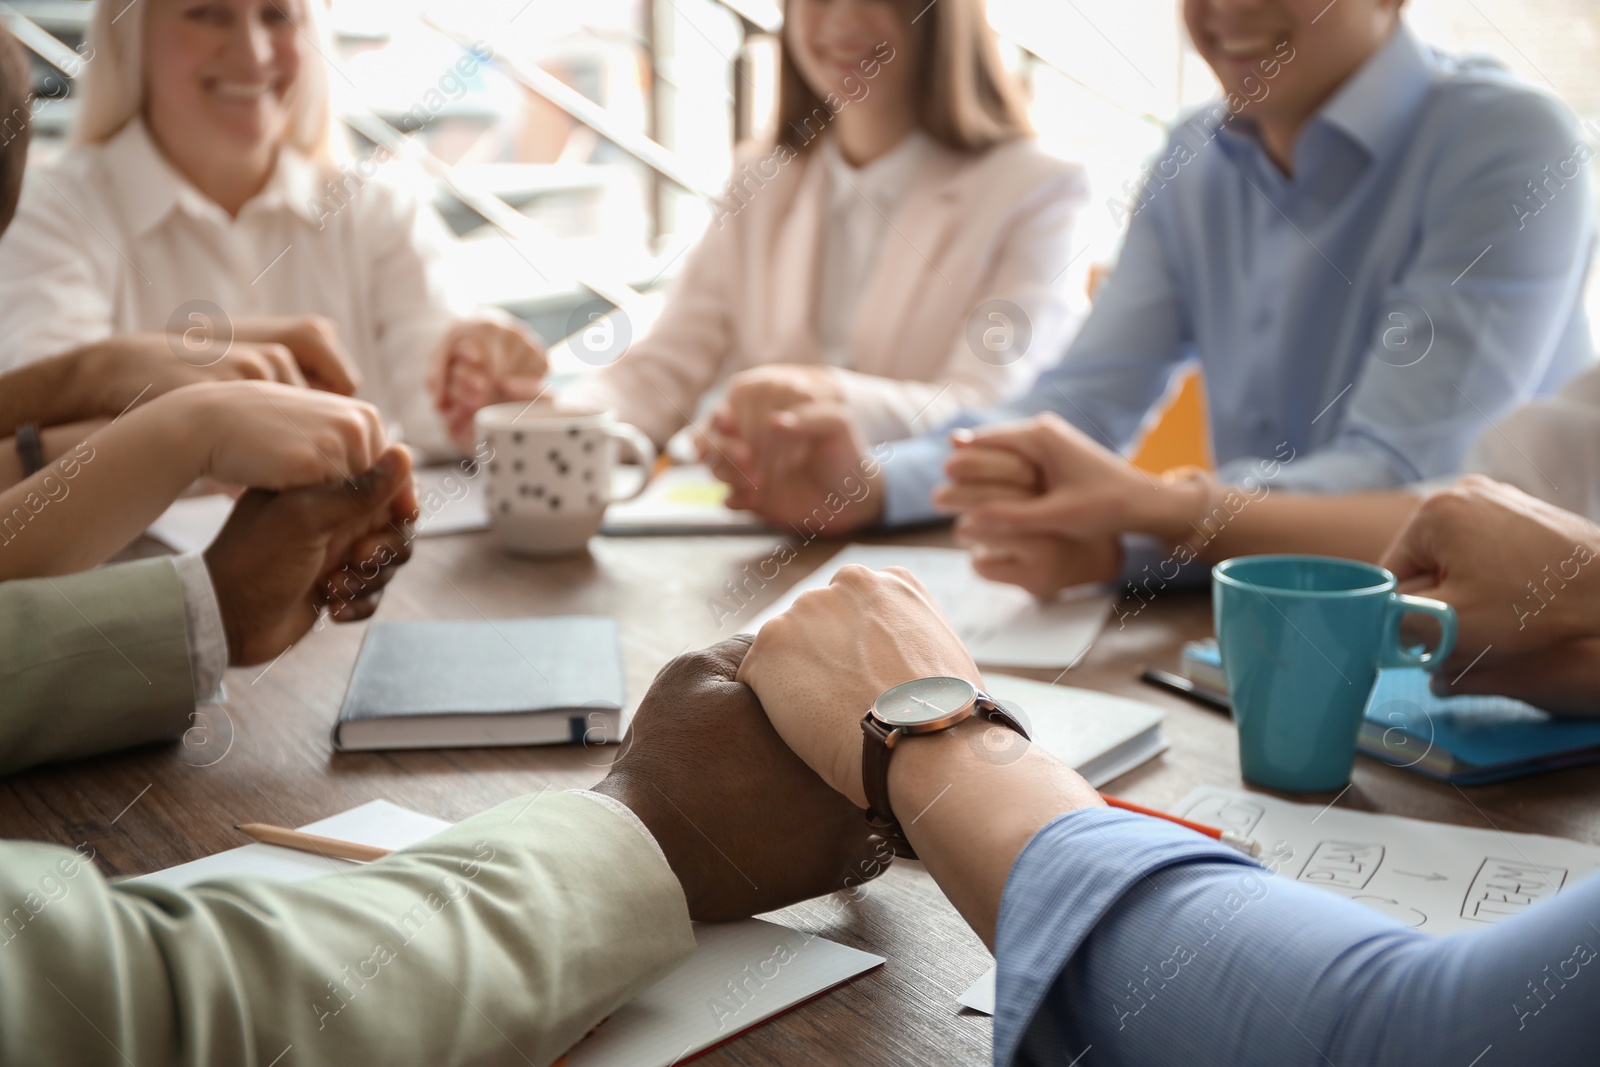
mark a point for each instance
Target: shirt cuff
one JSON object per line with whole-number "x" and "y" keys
{"x": 1067, "y": 878}
{"x": 912, "y": 471}
{"x": 208, "y": 641}
{"x": 625, "y": 813}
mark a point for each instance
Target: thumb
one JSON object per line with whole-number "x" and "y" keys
{"x": 1023, "y": 438}
{"x": 337, "y": 503}
{"x": 1412, "y": 554}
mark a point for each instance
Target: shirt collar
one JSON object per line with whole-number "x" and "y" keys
{"x": 884, "y": 181}
{"x": 1375, "y": 107}
{"x": 148, "y": 188}
{"x": 1372, "y": 110}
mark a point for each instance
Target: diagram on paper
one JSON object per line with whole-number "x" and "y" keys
{"x": 1432, "y": 876}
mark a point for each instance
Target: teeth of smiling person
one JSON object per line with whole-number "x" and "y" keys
{"x": 241, "y": 90}
{"x": 1243, "y": 47}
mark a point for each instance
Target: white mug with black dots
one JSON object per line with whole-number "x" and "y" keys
{"x": 552, "y": 472}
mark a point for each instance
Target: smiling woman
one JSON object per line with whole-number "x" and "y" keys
{"x": 900, "y": 245}
{"x": 194, "y": 203}
{"x": 229, "y": 75}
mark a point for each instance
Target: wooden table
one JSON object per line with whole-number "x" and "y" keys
{"x": 266, "y": 757}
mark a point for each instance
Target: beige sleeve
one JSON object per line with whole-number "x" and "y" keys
{"x": 657, "y": 382}
{"x": 501, "y": 940}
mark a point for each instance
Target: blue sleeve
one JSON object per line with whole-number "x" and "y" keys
{"x": 1112, "y": 374}
{"x": 1151, "y": 945}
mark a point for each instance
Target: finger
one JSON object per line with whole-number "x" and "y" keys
{"x": 1413, "y": 553}
{"x": 330, "y": 506}
{"x": 729, "y": 654}
{"x": 355, "y": 610}
{"x": 280, "y": 364}
{"x": 963, "y": 497}
{"x": 1059, "y": 512}
{"x": 319, "y": 352}
{"x": 734, "y": 462}
{"x": 991, "y": 465}
{"x": 1029, "y": 439}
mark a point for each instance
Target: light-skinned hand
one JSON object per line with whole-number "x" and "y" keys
{"x": 1523, "y": 575}
{"x": 745, "y": 825}
{"x": 810, "y": 455}
{"x": 483, "y": 362}
{"x": 1043, "y": 564}
{"x": 819, "y": 666}
{"x": 1044, "y": 475}
{"x": 119, "y": 371}
{"x": 754, "y": 397}
{"x": 314, "y": 344}
{"x": 265, "y": 435}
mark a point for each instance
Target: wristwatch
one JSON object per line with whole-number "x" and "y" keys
{"x": 921, "y": 706}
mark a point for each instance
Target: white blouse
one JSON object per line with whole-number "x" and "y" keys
{"x": 111, "y": 239}
{"x": 861, "y": 201}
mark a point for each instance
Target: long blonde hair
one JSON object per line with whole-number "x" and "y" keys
{"x": 963, "y": 95}
{"x": 111, "y": 87}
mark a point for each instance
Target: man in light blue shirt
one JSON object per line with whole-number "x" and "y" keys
{"x": 1369, "y": 264}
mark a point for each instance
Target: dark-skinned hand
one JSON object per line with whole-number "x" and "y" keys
{"x": 745, "y": 824}
{"x": 283, "y": 556}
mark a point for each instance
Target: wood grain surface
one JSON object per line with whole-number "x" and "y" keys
{"x": 265, "y": 756}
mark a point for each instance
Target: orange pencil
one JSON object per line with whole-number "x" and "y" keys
{"x": 1227, "y": 837}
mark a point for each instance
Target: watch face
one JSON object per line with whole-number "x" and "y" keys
{"x": 924, "y": 700}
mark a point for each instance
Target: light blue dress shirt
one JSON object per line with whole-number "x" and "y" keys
{"x": 1421, "y": 275}
{"x": 1125, "y": 940}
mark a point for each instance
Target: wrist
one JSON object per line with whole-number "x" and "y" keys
{"x": 96, "y": 388}
{"x": 645, "y": 801}
{"x": 1180, "y": 500}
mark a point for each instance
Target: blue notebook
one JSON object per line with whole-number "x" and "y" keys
{"x": 1468, "y": 740}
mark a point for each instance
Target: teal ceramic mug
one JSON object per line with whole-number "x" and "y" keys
{"x": 1302, "y": 639}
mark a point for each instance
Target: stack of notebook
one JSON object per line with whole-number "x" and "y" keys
{"x": 1468, "y": 740}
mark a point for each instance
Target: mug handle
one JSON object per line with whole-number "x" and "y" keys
{"x": 634, "y": 440}
{"x": 1397, "y": 655}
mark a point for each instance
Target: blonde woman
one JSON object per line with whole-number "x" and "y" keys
{"x": 196, "y": 200}
{"x": 901, "y": 246}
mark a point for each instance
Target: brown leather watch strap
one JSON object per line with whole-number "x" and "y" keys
{"x": 878, "y": 742}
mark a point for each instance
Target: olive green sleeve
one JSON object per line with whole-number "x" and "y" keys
{"x": 501, "y": 940}
{"x": 92, "y": 662}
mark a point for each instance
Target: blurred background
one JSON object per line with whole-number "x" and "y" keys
{"x": 576, "y": 164}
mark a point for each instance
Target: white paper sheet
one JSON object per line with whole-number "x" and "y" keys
{"x": 740, "y": 975}
{"x": 1434, "y": 877}
{"x": 1000, "y": 624}
{"x": 1099, "y": 735}
{"x": 450, "y": 501}
{"x": 980, "y": 995}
